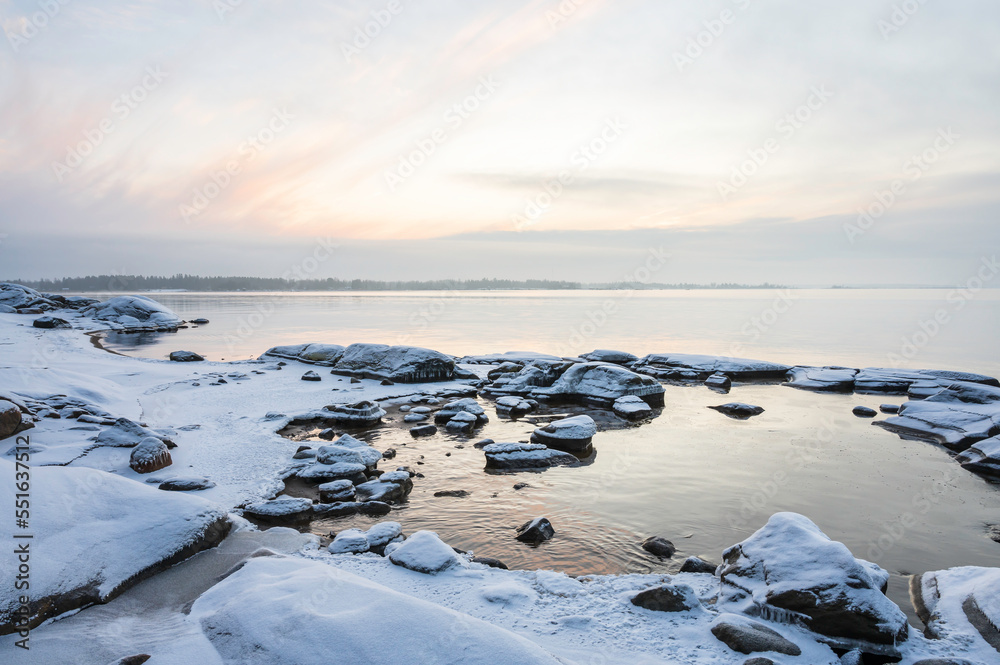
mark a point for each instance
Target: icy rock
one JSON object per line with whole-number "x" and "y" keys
{"x": 504, "y": 368}
{"x": 694, "y": 564}
{"x": 315, "y": 354}
{"x": 185, "y": 356}
{"x": 137, "y": 659}
{"x": 335, "y": 491}
{"x": 719, "y": 382}
{"x": 424, "y": 552}
{"x": 462, "y": 422}
{"x": 349, "y": 541}
{"x": 889, "y": 408}
{"x": 21, "y": 297}
{"x": 339, "y": 451}
{"x": 603, "y": 384}
{"x": 352, "y": 471}
{"x": 186, "y": 484}
{"x": 790, "y": 570}
{"x": 415, "y": 417}
{"x": 387, "y": 488}
{"x": 864, "y": 412}
{"x": 383, "y": 533}
{"x": 738, "y": 410}
{"x": 524, "y": 456}
{"x": 282, "y": 508}
{"x": 747, "y": 636}
{"x": 536, "y": 374}
{"x": 349, "y": 508}
{"x": 688, "y": 367}
{"x": 609, "y": 356}
{"x": 822, "y": 379}
{"x": 401, "y": 364}
{"x": 631, "y": 407}
{"x": 467, "y": 405}
{"x": 959, "y": 602}
{"x": 99, "y": 534}
{"x": 513, "y": 406}
{"x": 49, "y": 322}
{"x": 519, "y": 357}
{"x": 659, "y": 546}
{"x": 335, "y": 454}
{"x": 571, "y": 434}
{"x": 311, "y": 376}
{"x": 133, "y": 312}
{"x": 150, "y": 455}
{"x": 954, "y": 424}
{"x": 535, "y": 531}
{"x": 982, "y": 457}
{"x": 123, "y": 434}
{"x": 423, "y": 430}
{"x": 667, "y": 598}
{"x": 360, "y": 414}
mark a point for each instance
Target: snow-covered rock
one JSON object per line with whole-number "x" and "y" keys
{"x": 982, "y": 457}
{"x": 601, "y": 383}
{"x": 535, "y": 531}
{"x": 424, "y": 552}
{"x": 525, "y": 456}
{"x": 337, "y": 490}
{"x": 572, "y": 434}
{"x": 465, "y": 405}
{"x": 512, "y": 406}
{"x": 791, "y": 571}
{"x": 150, "y": 455}
{"x": 50, "y": 322}
{"x": 359, "y": 414}
{"x": 185, "y": 357}
{"x": 609, "y": 356}
{"x": 97, "y": 534}
{"x": 349, "y": 541}
{"x": 822, "y": 379}
{"x": 348, "y": 449}
{"x": 631, "y": 407}
{"x": 689, "y": 367}
{"x": 381, "y": 534}
{"x": 123, "y": 434}
{"x": 324, "y": 611}
{"x": 961, "y": 602}
{"x": 520, "y": 357}
{"x": 954, "y": 424}
{"x": 316, "y": 472}
{"x": 22, "y": 297}
{"x": 283, "y": 508}
{"x": 401, "y": 364}
{"x": 316, "y": 354}
{"x": 387, "y": 488}
{"x": 10, "y": 419}
{"x": 898, "y": 381}
{"x": 133, "y": 312}
{"x": 667, "y": 598}
{"x": 462, "y": 423}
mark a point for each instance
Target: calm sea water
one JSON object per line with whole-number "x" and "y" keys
{"x": 692, "y": 475}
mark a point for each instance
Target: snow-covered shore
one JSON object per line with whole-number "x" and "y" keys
{"x": 297, "y": 603}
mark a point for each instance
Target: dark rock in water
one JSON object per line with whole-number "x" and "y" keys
{"x": 689, "y": 367}
{"x": 328, "y": 434}
{"x": 348, "y": 508}
{"x": 51, "y": 322}
{"x": 525, "y": 456}
{"x": 747, "y": 636}
{"x": 389, "y": 453}
{"x": 304, "y": 452}
{"x": 993, "y": 530}
{"x": 423, "y": 430}
{"x": 571, "y": 434}
{"x": 138, "y": 659}
{"x": 632, "y": 408}
{"x": 889, "y": 408}
{"x": 864, "y": 412}
{"x": 738, "y": 410}
{"x": 482, "y": 444}
{"x": 186, "y": 484}
{"x": 462, "y": 423}
{"x": 659, "y": 546}
{"x": 719, "y": 382}
{"x": 407, "y": 470}
{"x": 150, "y": 455}
{"x": 536, "y": 531}
{"x": 667, "y": 598}
{"x": 390, "y": 487}
{"x": 694, "y": 564}
{"x": 199, "y": 321}
{"x": 185, "y": 356}
{"x": 489, "y": 561}
{"x": 521, "y": 486}
{"x": 336, "y": 491}
{"x": 459, "y": 494}
{"x": 944, "y": 661}
{"x": 311, "y": 376}
{"x": 822, "y": 379}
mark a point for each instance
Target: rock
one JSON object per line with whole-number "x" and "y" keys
{"x": 20, "y": 298}
{"x": 852, "y": 657}
{"x": 659, "y": 546}
{"x": 311, "y": 376}
{"x": 667, "y": 598}
{"x": 133, "y": 312}
{"x": 719, "y": 382}
{"x": 185, "y": 356}
{"x": 349, "y": 450}
{"x": 150, "y": 455}
{"x": 694, "y": 564}
{"x": 186, "y": 484}
{"x": 305, "y": 452}
{"x": 758, "y": 661}
{"x": 899, "y": 381}
{"x": 359, "y": 414}
{"x": 49, "y": 322}
{"x": 513, "y": 406}
{"x": 10, "y": 419}
{"x": 632, "y": 408}
{"x": 389, "y": 453}
{"x": 315, "y": 354}
{"x": 462, "y": 423}
{"x": 864, "y": 412}
{"x": 822, "y": 379}
{"x": 280, "y": 509}
{"x": 535, "y": 531}
{"x": 348, "y": 508}
{"x": 137, "y": 659}
{"x": 336, "y": 491}
{"x": 424, "y": 552}
{"x": 790, "y": 570}
{"x": 942, "y": 661}
{"x": 747, "y": 636}
{"x": 519, "y": 357}
{"x": 521, "y": 486}
{"x": 96, "y": 535}
{"x": 482, "y": 444}
{"x": 688, "y": 367}
{"x": 571, "y": 434}
{"x": 353, "y": 380}
{"x": 982, "y": 457}
{"x": 123, "y": 434}
{"x": 525, "y": 456}
{"x": 317, "y": 472}
{"x": 609, "y": 356}
{"x": 945, "y": 419}
{"x": 738, "y": 410}
{"x": 468, "y": 406}
{"x": 328, "y": 434}
{"x": 382, "y": 534}
{"x": 199, "y": 321}
{"x": 401, "y": 364}
{"x": 602, "y": 384}
{"x": 458, "y": 494}
{"x": 423, "y": 430}
{"x": 415, "y": 417}
{"x": 504, "y": 368}
{"x": 388, "y": 488}
{"x": 387, "y": 382}
{"x": 889, "y": 408}
{"x": 491, "y": 562}
{"x": 959, "y": 604}
{"x": 349, "y": 541}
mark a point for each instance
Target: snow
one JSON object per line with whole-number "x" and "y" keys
{"x": 319, "y": 354}
{"x": 962, "y": 605}
{"x": 349, "y": 541}
{"x": 424, "y": 552}
{"x": 833, "y": 379}
{"x": 280, "y": 507}
{"x": 520, "y": 357}
{"x": 133, "y": 312}
{"x": 610, "y": 356}
{"x": 575, "y": 432}
{"x": 631, "y": 407}
{"x": 405, "y": 364}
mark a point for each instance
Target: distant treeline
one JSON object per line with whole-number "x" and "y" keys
{"x": 198, "y": 283}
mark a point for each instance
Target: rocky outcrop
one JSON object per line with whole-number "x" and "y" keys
{"x": 610, "y": 356}
{"x": 688, "y": 367}
{"x": 336, "y": 491}
{"x": 282, "y": 509}
{"x": 10, "y": 419}
{"x": 317, "y": 354}
{"x": 388, "y": 488}
{"x": 512, "y": 406}
{"x": 401, "y": 364}
{"x": 602, "y": 384}
{"x": 518, "y": 456}
{"x": 20, "y": 298}
{"x": 571, "y": 434}
{"x": 133, "y": 312}
{"x": 360, "y": 414}
{"x": 982, "y": 457}
{"x": 956, "y": 416}
{"x": 822, "y": 379}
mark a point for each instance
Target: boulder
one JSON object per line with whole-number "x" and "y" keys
{"x": 694, "y": 564}
{"x": 570, "y": 434}
{"x": 423, "y": 430}
{"x": 349, "y": 508}
{"x": 738, "y": 410}
{"x": 609, "y": 356}
{"x": 185, "y": 356}
{"x": 959, "y": 604}
{"x": 466, "y": 405}
{"x": 457, "y": 494}
{"x": 790, "y": 570}
{"x": 349, "y": 541}
{"x": 336, "y": 491}
{"x": 603, "y": 384}
{"x": 388, "y": 488}
{"x": 348, "y": 449}
{"x": 822, "y": 379}
{"x": 425, "y": 553}
{"x": 982, "y": 457}
{"x": 401, "y": 364}
{"x": 525, "y": 456}
{"x": 317, "y": 472}
{"x": 311, "y": 376}
{"x": 462, "y": 423}
{"x": 864, "y": 412}
{"x": 504, "y": 368}
{"x": 133, "y": 312}
{"x": 199, "y": 321}
{"x": 150, "y": 455}
{"x": 359, "y": 414}
{"x": 123, "y": 434}
{"x": 512, "y": 406}
{"x": 667, "y": 598}
{"x": 881, "y": 380}
{"x": 535, "y": 531}
{"x": 315, "y": 354}
{"x": 49, "y": 322}
{"x": 631, "y": 407}
{"x": 889, "y": 408}
{"x": 186, "y": 484}
{"x": 534, "y": 375}
{"x": 719, "y": 382}
{"x": 659, "y": 546}
{"x": 688, "y": 367}
{"x": 747, "y": 636}
{"x": 20, "y": 297}
{"x": 10, "y": 419}
{"x": 280, "y": 509}
{"x": 382, "y": 534}
{"x": 7, "y": 309}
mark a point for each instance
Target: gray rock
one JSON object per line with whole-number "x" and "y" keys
{"x": 694, "y": 564}
{"x": 746, "y": 636}
{"x": 738, "y": 410}
{"x": 719, "y": 382}
{"x": 401, "y": 364}
{"x": 388, "y": 488}
{"x": 489, "y": 561}
{"x": 186, "y": 484}
{"x": 424, "y": 552}
{"x": 535, "y": 531}
{"x": 600, "y": 383}
{"x": 525, "y": 456}
{"x": 359, "y": 414}
{"x": 316, "y": 354}
{"x": 570, "y": 434}
{"x": 49, "y": 322}
{"x": 982, "y": 457}
{"x": 609, "y": 356}
{"x": 423, "y": 430}
{"x": 458, "y": 494}
{"x": 688, "y": 367}
{"x": 137, "y": 659}
{"x": 667, "y": 598}
{"x": 282, "y": 509}
{"x": 311, "y": 376}
{"x": 864, "y": 412}
{"x": 758, "y": 661}
{"x": 889, "y": 408}
{"x": 632, "y": 408}
{"x": 659, "y": 546}
{"x": 822, "y": 379}
{"x": 185, "y": 356}
{"x": 336, "y": 491}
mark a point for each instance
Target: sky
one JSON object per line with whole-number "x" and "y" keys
{"x": 849, "y": 142}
